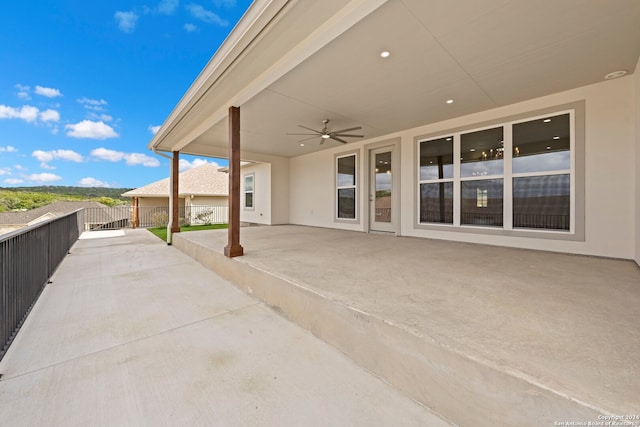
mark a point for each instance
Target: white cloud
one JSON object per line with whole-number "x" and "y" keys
{"x": 13, "y": 181}
{"x": 23, "y": 91}
{"x": 8, "y": 149}
{"x": 167, "y": 7}
{"x": 5, "y": 171}
{"x": 20, "y": 167}
{"x": 90, "y": 129}
{"x": 50, "y": 116}
{"x": 185, "y": 165}
{"x": 43, "y": 177}
{"x": 26, "y": 112}
{"x": 29, "y": 114}
{"x": 92, "y": 104}
{"x": 205, "y": 15}
{"x": 44, "y": 165}
{"x": 190, "y": 28}
{"x": 103, "y": 117}
{"x": 154, "y": 129}
{"x": 47, "y": 156}
{"x": 106, "y": 154}
{"x": 47, "y": 91}
{"x": 126, "y": 21}
{"x": 131, "y": 159}
{"x": 92, "y": 182}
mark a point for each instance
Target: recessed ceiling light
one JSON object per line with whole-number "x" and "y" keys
{"x": 385, "y": 54}
{"x": 546, "y": 120}
{"x": 449, "y": 101}
{"x": 301, "y": 145}
{"x": 473, "y": 149}
{"x": 615, "y": 74}
{"x": 548, "y": 148}
{"x": 556, "y": 137}
{"x": 448, "y": 139}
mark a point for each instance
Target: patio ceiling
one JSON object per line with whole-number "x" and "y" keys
{"x": 291, "y": 63}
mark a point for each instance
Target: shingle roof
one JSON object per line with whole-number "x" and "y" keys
{"x": 56, "y": 208}
{"x": 204, "y": 180}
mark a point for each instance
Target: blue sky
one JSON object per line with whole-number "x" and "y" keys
{"x": 84, "y": 84}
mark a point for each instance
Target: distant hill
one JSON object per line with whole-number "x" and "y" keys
{"x": 27, "y": 198}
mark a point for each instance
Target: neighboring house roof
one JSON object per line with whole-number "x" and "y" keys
{"x": 51, "y": 210}
{"x": 204, "y": 180}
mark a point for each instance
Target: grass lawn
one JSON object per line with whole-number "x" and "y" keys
{"x": 161, "y": 232}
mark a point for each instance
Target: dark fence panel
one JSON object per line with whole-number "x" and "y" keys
{"x": 29, "y": 258}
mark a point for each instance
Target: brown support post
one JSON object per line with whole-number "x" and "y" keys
{"x": 175, "y": 201}
{"x": 136, "y": 212}
{"x": 233, "y": 247}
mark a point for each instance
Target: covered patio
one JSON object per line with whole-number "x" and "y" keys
{"x": 484, "y": 335}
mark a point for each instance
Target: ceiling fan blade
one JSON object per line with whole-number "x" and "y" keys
{"x": 299, "y": 134}
{"x": 312, "y": 130}
{"x": 313, "y": 137}
{"x": 347, "y": 130}
{"x": 347, "y": 135}
{"x": 338, "y": 139}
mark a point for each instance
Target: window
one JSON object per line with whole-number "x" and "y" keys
{"x": 542, "y": 173}
{"x": 481, "y": 177}
{"x": 248, "y": 191}
{"x": 436, "y": 181}
{"x": 514, "y": 177}
{"x": 346, "y": 187}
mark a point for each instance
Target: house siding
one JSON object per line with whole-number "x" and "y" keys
{"x": 611, "y": 175}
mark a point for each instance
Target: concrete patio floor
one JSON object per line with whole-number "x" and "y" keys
{"x": 481, "y": 334}
{"x": 134, "y": 332}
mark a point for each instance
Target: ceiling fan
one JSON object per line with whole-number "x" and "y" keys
{"x": 325, "y": 134}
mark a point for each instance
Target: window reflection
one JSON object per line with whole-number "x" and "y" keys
{"x": 481, "y": 153}
{"x": 346, "y": 171}
{"x": 347, "y": 203}
{"x": 436, "y": 159}
{"x": 436, "y": 202}
{"x": 481, "y": 202}
{"x": 542, "y": 145}
{"x": 542, "y": 202}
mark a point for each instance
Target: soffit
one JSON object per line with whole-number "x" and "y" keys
{"x": 481, "y": 53}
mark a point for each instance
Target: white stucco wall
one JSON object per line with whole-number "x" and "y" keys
{"x": 261, "y": 211}
{"x": 636, "y": 80}
{"x": 208, "y": 201}
{"x": 157, "y": 202}
{"x": 609, "y": 183}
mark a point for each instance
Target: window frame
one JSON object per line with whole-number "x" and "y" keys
{"x": 252, "y": 191}
{"x": 576, "y": 111}
{"x": 354, "y": 186}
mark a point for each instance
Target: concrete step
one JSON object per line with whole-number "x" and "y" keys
{"x": 463, "y": 387}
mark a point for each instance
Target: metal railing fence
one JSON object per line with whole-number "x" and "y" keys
{"x": 117, "y": 217}
{"x": 29, "y": 258}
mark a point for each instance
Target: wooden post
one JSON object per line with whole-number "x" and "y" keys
{"x": 175, "y": 201}
{"x": 136, "y": 212}
{"x": 233, "y": 247}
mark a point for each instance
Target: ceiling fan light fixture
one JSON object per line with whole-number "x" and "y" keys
{"x": 326, "y": 136}
{"x": 615, "y": 74}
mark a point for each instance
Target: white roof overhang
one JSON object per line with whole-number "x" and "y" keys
{"x": 298, "y": 62}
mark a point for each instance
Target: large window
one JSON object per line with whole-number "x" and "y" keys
{"x": 346, "y": 187}
{"x": 517, "y": 175}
